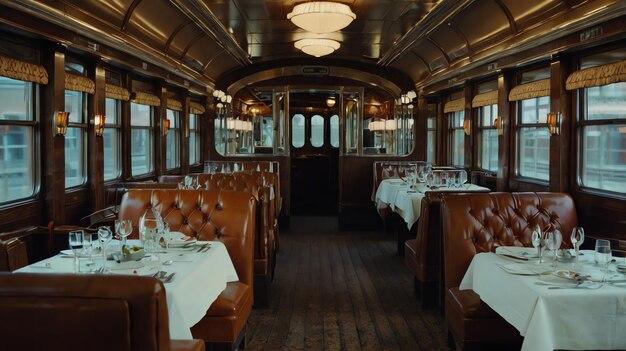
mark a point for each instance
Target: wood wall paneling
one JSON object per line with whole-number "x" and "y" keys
{"x": 420, "y": 127}
{"x": 504, "y": 139}
{"x": 95, "y": 148}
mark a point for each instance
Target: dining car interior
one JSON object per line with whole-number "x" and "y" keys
{"x": 194, "y": 175}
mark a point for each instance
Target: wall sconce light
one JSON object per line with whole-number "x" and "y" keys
{"x": 467, "y": 126}
{"x": 554, "y": 122}
{"x": 61, "y": 119}
{"x": 166, "y": 126}
{"x": 330, "y": 101}
{"x": 98, "y": 123}
{"x": 498, "y": 124}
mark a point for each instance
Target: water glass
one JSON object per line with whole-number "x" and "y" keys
{"x": 105, "y": 235}
{"x": 88, "y": 247}
{"x": 538, "y": 242}
{"x": 76, "y": 244}
{"x": 603, "y": 255}
{"x": 123, "y": 228}
{"x": 553, "y": 242}
{"x": 577, "y": 238}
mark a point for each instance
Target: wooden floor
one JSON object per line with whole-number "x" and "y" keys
{"x": 339, "y": 290}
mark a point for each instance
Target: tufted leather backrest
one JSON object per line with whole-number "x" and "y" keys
{"x": 228, "y": 216}
{"x": 13, "y": 254}
{"x": 474, "y": 223}
{"x": 82, "y": 312}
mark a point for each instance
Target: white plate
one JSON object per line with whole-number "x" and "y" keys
{"x": 180, "y": 240}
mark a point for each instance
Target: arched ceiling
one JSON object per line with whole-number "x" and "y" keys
{"x": 422, "y": 40}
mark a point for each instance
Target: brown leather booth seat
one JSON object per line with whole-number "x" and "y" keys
{"x": 474, "y": 223}
{"x": 85, "y": 312}
{"x": 228, "y": 216}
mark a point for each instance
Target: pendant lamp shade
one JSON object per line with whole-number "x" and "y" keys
{"x": 317, "y": 47}
{"x": 321, "y": 16}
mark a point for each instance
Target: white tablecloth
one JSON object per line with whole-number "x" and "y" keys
{"x": 199, "y": 279}
{"x": 571, "y": 319}
{"x": 407, "y": 202}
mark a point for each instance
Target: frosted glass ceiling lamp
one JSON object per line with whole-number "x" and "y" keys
{"x": 317, "y": 47}
{"x": 321, "y": 16}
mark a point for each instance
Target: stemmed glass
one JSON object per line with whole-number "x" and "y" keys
{"x": 554, "y": 240}
{"x": 105, "y": 235}
{"x": 76, "y": 244}
{"x": 577, "y": 238}
{"x": 538, "y": 242}
{"x": 462, "y": 178}
{"x": 123, "y": 228}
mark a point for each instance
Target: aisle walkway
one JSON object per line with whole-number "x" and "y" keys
{"x": 339, "y": 290}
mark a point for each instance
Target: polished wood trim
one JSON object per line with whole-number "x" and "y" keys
{"x": 421, "y": 127}
{"x": 126, "y": 131}
{"x": 129, "y": 14}
{"x": 160, "y": 140}
{"x": 504, "y": 140}
{"x": 95, "y": 147}
{"x": 560, "y": 102}
{"x": 469, "y": 139}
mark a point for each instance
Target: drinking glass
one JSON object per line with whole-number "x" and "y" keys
{"x": 462, "y": 178}
{"x": 88, "y": 247}
{"x": 76, "y": 244}
{"x": 105, "y": 235}
{"x": 603, "y": 255}
{"x": 538, "y": 242}
{"x": 553, "y": 242}
{"x": 148, "y": 230}
{"x": 123, "y": 228}
{"x": 577, "y": 238}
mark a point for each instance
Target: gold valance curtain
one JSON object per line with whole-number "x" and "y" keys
{"x": 196, "y": 108}
{"x": 20, "y": 70}
{"x": 454, "y": 105}
{"x": 538, "y": 88}
{"x": 597, "y": 76}
{"x": 118, "y": 93}
{"x": 174, "y": 105}
{"x": 146, "y": 99}
{"x": 79, "y": 83}
{"x": 485, "y": 99}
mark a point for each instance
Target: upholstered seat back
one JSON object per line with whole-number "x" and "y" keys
{"x": 228, "y": 216}
{"x": 82, "y": 312}
{"x": 474, "y": 223}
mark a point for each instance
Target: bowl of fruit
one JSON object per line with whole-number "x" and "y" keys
{"x": 129, "y": 253}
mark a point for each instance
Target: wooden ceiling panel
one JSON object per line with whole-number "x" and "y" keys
{"x": 412, "y": 65}
{"x": 431, "y": 54}
{"x": 112, "y": 12}
{"x": 453, "y": 45}
{"x": 524, "y": 12}
{"x": 181, "y": 40}
{"x": 479, "y": 31}
{"x": 203, "y": 49}
{"x": 154, "y": 21}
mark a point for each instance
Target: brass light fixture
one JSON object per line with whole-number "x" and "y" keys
{"x": 317, "y": 46}
{"x": 330, "y": 101}
{"x": 498, "y": 124}
{"x": 467, "y": 126}
{"x": 61, "y": 119}
{"x": 554, "y": 122}
{"x": 98, "y": 123}
{"x": 166, "y": 126}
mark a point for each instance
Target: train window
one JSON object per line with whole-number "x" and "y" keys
{"x": 431, "y": 132}
{"x": 297, "y": 131}
{"x": 111, "y": 139}
{"x": 141, "y": 128}
{"x": 334, "y": 131}
{"x": 75, "y": 139}
{"x": 533, "y": 138}
{"x": 172, "y": 144}
{"x": 18, "y": 151}
{"x": 351, "y": 110}
{"x": 456, "y": 137}
{"x": 317, "y": 131}
{"x": 194, "y": 140}
{"x": 603, "y": 138}
{"x": 488, "y": 135}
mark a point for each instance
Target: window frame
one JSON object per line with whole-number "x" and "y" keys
{"x": 519, "y": 125}
{"x": 151, "y": 130}
{"x": 36, "y": 150}
{"x": 175, "y": 129}
{"x": 452, "y": 130}
{"x": 432, "y": 143}
{"x": 482, "y": 127}
{"x": 196, "y": 147}
{"x": 117, "y": 129}
{"x": 82, "y": 127}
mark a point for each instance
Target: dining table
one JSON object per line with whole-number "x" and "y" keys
{"x": 406, "y": 200}
{"x": 193, "y": 277}
{"x": 570, "y": 305}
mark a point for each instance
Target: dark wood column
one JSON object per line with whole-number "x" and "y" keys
{"x": 95, "y": 146}
{"x": 160, "y": 141}
{"x": 421, "y": 127}
{"x": 469, "y": 139}
{"x": 505, "y": 161}
{"x": 53, "y": 153}
{"x": 441, "y": 153}
{"x": 560, "y": 144}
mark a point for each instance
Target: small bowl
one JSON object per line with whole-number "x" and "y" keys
{"x": 133, "y": 256}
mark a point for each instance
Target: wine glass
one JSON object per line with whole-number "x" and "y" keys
{"x": 123, "y": 228}
{"x": 538, "y": 242}
{"x": 577, "y": 238}
{"x": 603, "y": 255}
{"x": 88, "y": 247}
{"x": 105, "y": 235}
{"x": 76, "y": 244}
{"x": 462, "y": 178}
{"x": 553, "y": 242}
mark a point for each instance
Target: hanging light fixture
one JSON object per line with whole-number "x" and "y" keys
{"x": 321, "y": 16}
{"x": 317, "y": 47}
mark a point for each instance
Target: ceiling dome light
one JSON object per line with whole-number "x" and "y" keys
{"x": 321, "y": 16}
{"x": 317, "y": 47}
